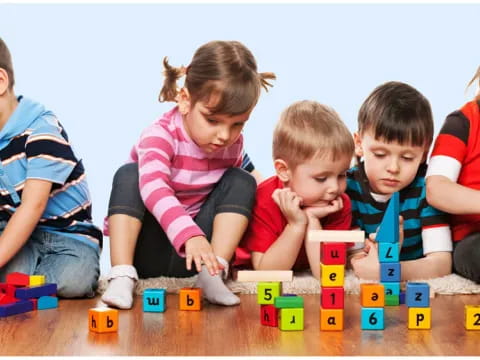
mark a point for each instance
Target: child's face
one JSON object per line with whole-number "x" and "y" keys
{"x": 389, "y": 167}
{"x": 213, "y": 132}
{"x": 319, "y": 180}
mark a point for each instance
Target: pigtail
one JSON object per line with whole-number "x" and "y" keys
{"x": 264, "y": 77}
{"x": 475, "y": 77}
{"x": 169, "y": 90}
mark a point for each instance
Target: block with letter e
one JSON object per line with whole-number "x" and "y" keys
{"x": 190, "y": 299}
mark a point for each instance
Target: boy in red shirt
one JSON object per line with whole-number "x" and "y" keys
{"x": 312, "y": 150}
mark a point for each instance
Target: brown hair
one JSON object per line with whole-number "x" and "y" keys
{"x": 397, "y": 112}
{"x": 308, "y": 128}
{"x": 224, "y": 69}
{"x": 475, "y": 77}
{"x": 6, "y": 62}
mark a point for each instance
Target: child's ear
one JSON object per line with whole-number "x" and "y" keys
{"x": 184, "y": 101}
{"x": 357, "y": 139}
{"x": 4, "y": 81}
{"x": 282, "y": 170}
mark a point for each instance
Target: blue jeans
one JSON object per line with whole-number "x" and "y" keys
{"x": 69, "y": 263}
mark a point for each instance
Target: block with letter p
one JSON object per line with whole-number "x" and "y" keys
{"x": 190, "y": 299}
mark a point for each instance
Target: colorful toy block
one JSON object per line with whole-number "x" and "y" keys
{"x": 331, "y": 319}
{"x": 7, "y": 299}
{"x": 19, "y": 307}
{"x": 388, "y": 252}
{"x": 390, "y": 272}
{"x": 333, "y": 253}
{"x": 401, "y": 297}
{"x": 389, "y": 227}
{"x": 36, "y": 291}
{"x": 102, "y": 320}
{"x": 392, "y": 288}
{"x": 332, "y": 297}
{"x": 342, "y": 236}
{"x": 7, "y": 289}
{"x": 47, "y": 302}
{"x": 265, "y": 275}
{"x": 418, "y": 294}
{"x": 372, "y": 295}
{"x": 18, "y": 279}
{"x": 36, "y": 280}
{"x": 288, "y": 302}
{"x": 372, "y": 318}
{"x": 268, "y": 291}
{"x": 472, "y": 317}
{"x": 291, "y": 319}
{"x": 392, "y": 300}
{"x": 419, "y": 317}
{"x": 190, "y": 299}
{"x": 269, "y": 315}
{"x": 154, "y": 300}
{"x": 332, "y": 275}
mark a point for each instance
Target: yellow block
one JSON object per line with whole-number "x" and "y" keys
{"x": 36, "y": 280}
{"x": 103, "y": 320}
{"x": 332, "y": 275}
{"x": 331, "y": 319}
{"x": 372, "y": 295}
{"x": 472, "y": 317}
{"x": 419, "y": 318}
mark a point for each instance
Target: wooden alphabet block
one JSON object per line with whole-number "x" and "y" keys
{"x": 331, "y": 319}
{"x": 19, "y": 307}
{"x": 333, "y": 253}
{"x": 102, "y": 320}
{"x": 269, "y": 315}
{"x": 389, "y": 227}
{"x": 29, "y": 292}
{"x": 36, "y": 280}
{"x": 343, "y": 236}
{"x": 47, "y": 302}
{"x": 392, "y": 300}
{"x": 390, "y": 272}
{"x": 291, "y": 319}
{"x": 7, "y": 299}
{"x": 332, "y": 297}
{"x": 190, "y": 299}
{"x": 332, "y": 275}
{"x": 472, "y": 317}
{"x": 18, "y": 279}
{"x": 388, "y": 252}
{"x": 391, "y": 288}
{"x": 372, "y": 318}
{"x": 154, "y": 300}
{"x": 372, "y": 295}
{"x": 419, "y": 317}
{"x": 267, "y": 292}
{"x": 288, "y": 302}
{"x": 417, "y": 294}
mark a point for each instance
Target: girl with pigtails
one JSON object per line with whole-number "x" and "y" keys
{"x": 183, "y": 198}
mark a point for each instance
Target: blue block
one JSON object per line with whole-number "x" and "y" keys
{"x": 373, "y": 318}
{"x": 388, "y": 252}
{"x": 388, "y": 231}
{"x": 47, "y": 302}
{"x": 417, "y": 295}
{"x": 18, "y": 307}
{"x": 402, "y": 297}
{"x": 390, "y": 272}
{"x": 154, "y": 300}
{"x": 391, "y": 288}
{"x": 30, "y": 292}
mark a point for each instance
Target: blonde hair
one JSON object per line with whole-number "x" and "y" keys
{"x": 476, "y": 77}
{"x": 307, "y": 129}
{"x": 226, "y": 70}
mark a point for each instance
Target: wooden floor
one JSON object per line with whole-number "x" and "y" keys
{"x": 235, "y": 331}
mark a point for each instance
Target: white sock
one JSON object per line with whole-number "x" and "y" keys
{"x": 121, "y": 282}
{"x": 213, "y": 287}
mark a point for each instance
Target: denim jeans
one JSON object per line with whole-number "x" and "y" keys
{"x": 154, "y": 254}
{"x": 466, "y": 257}
{"x": 71, "y": 264}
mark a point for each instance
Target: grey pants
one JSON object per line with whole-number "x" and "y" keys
{"x": 466, "y": 257}
{"x": 154, "y": 254}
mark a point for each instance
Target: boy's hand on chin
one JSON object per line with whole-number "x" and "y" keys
{"x": 323, "y": 209}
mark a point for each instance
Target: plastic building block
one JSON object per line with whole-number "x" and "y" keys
{"x": 401, "y": 297}
{"x": 373, "y": 318}
{"x": 36, "y": 291}
{"x": 268, "y": 291}
{"x": 102, "y": 320}
{"x": 18, "y": 307}
{"x": 389, "y": 227}
{"x": 36, "y": 280}
{"x": 18, "y": 279}
{"x": 332, "y": 275}
{"x": 47, "y": 302}
{"x": 154, "y": 300}
{"x": 265, "y": 275}
{"x": 417, "y": 295}
{"x": 388, "y": 252}
{"x": 392, "y": 288}
{"x": 7, "y": 289}
{"x": 472, "y": 317}
{"x": 332, "y": 298}
{"x": 419, "y": 318}
{"x": 291, "y": 319}
{"x": 190, "y": 299}
{"x": 392, "y": 300}
{"x": 372, "y": 295}
{"x": 331, "y": 319}
{"x": 7, "y": 299}
{"x": 390, "y": 272}
{"x": 333, "y": 253}
{"x": 288, "y": 302}
{"x": 269, "y": 315}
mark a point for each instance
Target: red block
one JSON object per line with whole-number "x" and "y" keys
{"x": 7, "y": 299}
{"x": 269, "y": 315}
{"x": 7, "y": 289}
{"x": 333, "y": 253}
{"x": 18, "y": 279}
{"x": 332, "y": 297}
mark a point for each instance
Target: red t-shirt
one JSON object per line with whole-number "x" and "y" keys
{"x": 267, "y": 224}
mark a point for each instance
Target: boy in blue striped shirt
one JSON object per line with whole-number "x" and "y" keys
{"x": 395, "y": 131}
{"x": 45, "y": 209}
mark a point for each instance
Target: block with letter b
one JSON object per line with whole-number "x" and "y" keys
{"x": 190, "y": 299}
{"x": 102, "y": 320}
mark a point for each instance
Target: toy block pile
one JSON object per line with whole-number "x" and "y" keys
{"x": 418, "y": 303}
{"x": 372, "y": 300}
{"x": 22, "y": 293}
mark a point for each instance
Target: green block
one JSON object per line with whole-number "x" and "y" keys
{"x": 288, "y": 302}
{"x": 392, "y": 300}
{"x": 268, "y": 291}
{"x": 291, "y": 319}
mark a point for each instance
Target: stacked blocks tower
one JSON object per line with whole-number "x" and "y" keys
{"x": 372, "y": 300}
{"x": 417, "y": 299}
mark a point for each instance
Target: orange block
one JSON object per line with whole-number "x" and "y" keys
{"x": 372, "y": 295}
{"x": 190, "y": 299}
{"x": 331, "y": 319}
{"x": 102, "y": 320}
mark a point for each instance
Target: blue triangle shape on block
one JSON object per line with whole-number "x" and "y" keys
{"x": 388, "y": 231}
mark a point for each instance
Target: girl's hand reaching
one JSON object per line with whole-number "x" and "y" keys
{"x": 199, "y": 250}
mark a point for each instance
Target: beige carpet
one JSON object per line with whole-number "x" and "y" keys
{"x": 304, "y": 283}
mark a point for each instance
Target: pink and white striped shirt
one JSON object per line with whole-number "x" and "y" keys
{"x": 176, "y": 176}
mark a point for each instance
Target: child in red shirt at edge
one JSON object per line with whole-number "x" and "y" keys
{"x": 312, "y": 150}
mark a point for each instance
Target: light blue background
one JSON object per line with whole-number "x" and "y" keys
{"x": 99, "y": 66}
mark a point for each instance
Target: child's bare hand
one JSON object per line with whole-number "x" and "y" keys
{"x": 289, "y": 203}
{"x": 198, "y": 250}
{"x": 367, "y": 266}
{"x": 324, "y": 210}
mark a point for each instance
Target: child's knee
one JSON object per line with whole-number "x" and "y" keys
{"x": 241, "y": 180}
{"x": 84, "y": 285}
{"x": 127, "y": 173}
